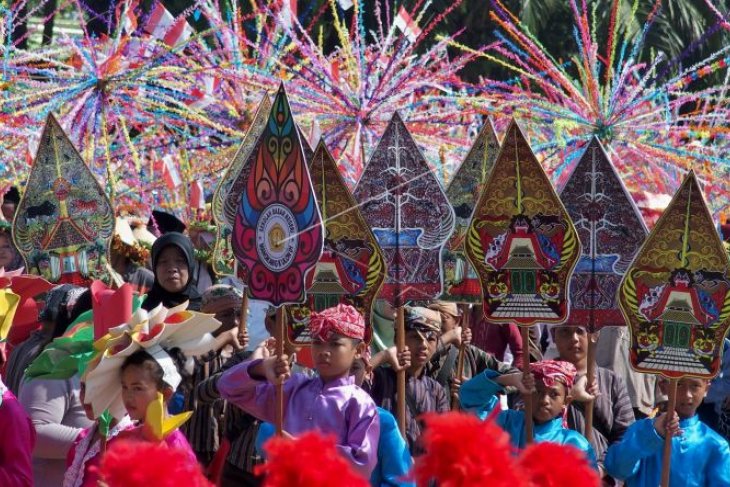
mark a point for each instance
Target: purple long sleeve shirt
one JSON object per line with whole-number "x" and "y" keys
{"x": 338, "y": 407}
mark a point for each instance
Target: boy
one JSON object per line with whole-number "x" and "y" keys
{"x": 331, "y": 403}
{"x": 612, "y": 410}
{"x": 550, "y": 382}
{"x": 700, "y": 456}
{"x": 444, "y": 363}
{"x": 423, "y": 394}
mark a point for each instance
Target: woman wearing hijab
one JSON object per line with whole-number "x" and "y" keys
{"x": 173, "y": 262}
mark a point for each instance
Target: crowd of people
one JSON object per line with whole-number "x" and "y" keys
{"x": 51, "y": 432}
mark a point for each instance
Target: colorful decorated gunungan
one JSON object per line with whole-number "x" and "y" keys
{"x": 352, "y": 268}
{"x": 277, "y": 234}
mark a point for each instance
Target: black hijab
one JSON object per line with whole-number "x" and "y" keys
{"x": 158, "y": 294}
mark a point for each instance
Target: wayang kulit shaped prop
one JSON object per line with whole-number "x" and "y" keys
{"x": 227, "y": 195}
{"x": 611, "y": 232}
{"x": 676, "y": 294}
{"x": 461, "y": 282}
{"x": 277, "y": 233}
{"x": 64, "y": 222}
{"x": 521, "y": 240}
{"x": 409, "y": 214}
{"x": 352, "y": 268}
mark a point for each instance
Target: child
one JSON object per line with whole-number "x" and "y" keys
{"x": 700, "y": 456}
{"x": 17, "y": 438}
{"x": 143, "y": 359}
{"x": 612, "y": 410}
{"x": 423, "y": 393}
{"x": 331, "y": 403}
{"x": 142, "y": 378}
{"x": 550, "y": 382}
{"x": 85, "y": 454}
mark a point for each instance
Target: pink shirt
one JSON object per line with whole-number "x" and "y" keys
{"x": 84, "y": 455}
{"x": 17, "y": 438}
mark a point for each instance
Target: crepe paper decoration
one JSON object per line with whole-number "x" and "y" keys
{"x": 676, "y": 294}
{"x": 277, "y": 235}
{"x": 409, "y": 214}
{"x": 104, "y": 423}
{"x": 227, "y": 196}
{"x": 146, "y": 330}
{"x": 71, "y": 353}
{"x": 157, "y": 424}
{"x": 64, "y": 222}
{"x": 16, "y": 298}
{"x": 461, "y": 282}
{"x": 611, "y": 232}
{"x": 8, "y": 304}
{"x": 111, "y": 307}
{"x": 352, "y": 267}
{"x": 521, "y": 240}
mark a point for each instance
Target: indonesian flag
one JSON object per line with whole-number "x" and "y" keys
{"x": 170, "y": 173}
{"x": 129, "y": 18}
{"x": 315, "y": 133}
{"x": 197, "y": 197}
{"x": 202, "y": 93}
{"x": 162, "y": 25}
{"x": 288, "y": 12}
{"x": 407, "y": 25}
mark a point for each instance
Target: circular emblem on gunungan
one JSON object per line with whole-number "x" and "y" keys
{"x": 277, "y": 237}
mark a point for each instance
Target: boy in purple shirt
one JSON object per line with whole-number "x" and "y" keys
{"x": 330, "y": 403}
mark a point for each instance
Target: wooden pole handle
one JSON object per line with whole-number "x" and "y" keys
{"x": 400, "y": 339}
{"x": 243, "y": 321}
{"x": 455, "y": 404}
{"x": 280, "y": 386}
{"x": 667, "y": 457}
{"x": 590, "y": 375}
{"x": 527, "y": 398}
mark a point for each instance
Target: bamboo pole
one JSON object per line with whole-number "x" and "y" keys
{"x": 527, "y": 398}
{"x": 280, "y": 385}
{"x": 400, "y": 343}
{"x": 243, "y": 319}
{"x": 455, "y": 405}
{"x": 590, "y": 374}
{"x": 667, "y": 457}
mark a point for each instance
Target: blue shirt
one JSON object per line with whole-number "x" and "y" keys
{"x": 394, "y": 458}
{"x": 479, "y": 395}
{"x": 700, "y": 456}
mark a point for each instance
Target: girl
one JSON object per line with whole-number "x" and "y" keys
{"x": 173, "y": 262}
{"x": 143, "y": 377}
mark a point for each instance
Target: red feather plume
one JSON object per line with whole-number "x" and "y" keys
{"x": 463, "y": 451}
{"x": 553, "y": 465}
{"x": 134, "y": 463}
{"x": 308, "y": 460}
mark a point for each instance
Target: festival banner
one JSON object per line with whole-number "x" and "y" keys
{"x": 352, "y": 267}
{"x": 277, "y": 233}
{"x": 611, "y": 232}
{"x": 227, "y": 195}
{"x": 461, "y": 282}
{"x": 406, "y": 208}
{"x": 64, "y": 223}
{"x": 521, "y": 240}
{"x": 676, "y": 294}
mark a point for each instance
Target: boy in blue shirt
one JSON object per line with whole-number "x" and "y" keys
{"x": 550, "y": 382}
{"x": 700, "y": 456}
